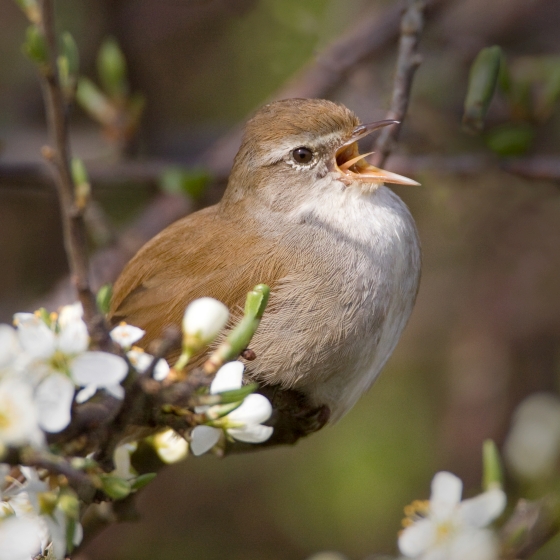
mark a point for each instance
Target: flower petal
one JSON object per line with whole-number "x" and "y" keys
{"x": 446, "y": 494}
{"x": 203, "y": 438}
{"x": 205, "y": 318}
{"x": 70, "y": 313}
{"x": 116, "y": 391}
{"x": 484, "y": 508}
{"x": 126, "y": 335}
{"x": 228, "y": 378}
{"x": 19, "y": 538}
{"x": 73, "y": 338}
{"x": 53, "y": 399}
{"x": 255, "y": 409}
{"x": 9, "y": 346}
{"x": 478, "y": 543}
{"x": 256, "y": 433}
{"x": 86, "y": 393}
{"x": 162, "y": 369}
{"x": 18, "y": 413}
{"x": 36, "y": 338}
{"x": 170, "y": 446}
{"x": 417, "y": 538}
{"x": 98, "y": 368}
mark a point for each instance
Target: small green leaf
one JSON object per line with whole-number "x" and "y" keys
{"x": 182, "y": 180}
{"x": 70, "y": 534}
{"x": 226, "y": 397}
{"x": 95, "y": 102}
{"x": 510, "y": 139}
{"x": 115, "y": 487}
{"x": 142, "y": 480}
{"x": 492, "y": 475}
{"x": 69, "y": 49}
{"x": 68, "y": 63}
{"x": 70, "y": 505}
{"x": 483, "y": 77}
{"x": 256, "y": 301}
{"x": 111, "y": 67}
{"x": 103, "y": 298}
{"x": 35, "y": 46}
{"x": 79, "y": 173}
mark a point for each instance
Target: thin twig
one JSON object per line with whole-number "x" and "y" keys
{"x": 545, "y": 168}
{"x": 408, "y": 61}
{"x": 59, "y": 156}
{"x": 531, "y": 525}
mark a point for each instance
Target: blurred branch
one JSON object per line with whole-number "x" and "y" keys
{"x": 107, "y": 263}
{"x": 99, "y": 172}
{"x": 531, "y": 525}
{"x": 408, "y": 61}
{"x": 72, "y": 216}
{"x": 537, "y": 167}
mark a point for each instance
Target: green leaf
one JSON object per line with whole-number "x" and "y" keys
{"x": 510, "y": 139}
{"x": 226, "y": 397}
{"x": 492, "y": 475}
{"x": 483, "y": 77}
{"x": 35, "y": 46}
{"x": 70, "y": 505}
{"x": 68, "y": 63}
{"x": 69, "y": 49}
{"x": 183, "y": 180}
{"x": 111, "y": 67}
{"x": 79, "y": 173}
{"x": 142, "y": 480}
{"x": 103, "y": 298}
{"x": 115, "y": 487}
{"x": 256, "y": 301}
{"x": 95, "y": 102}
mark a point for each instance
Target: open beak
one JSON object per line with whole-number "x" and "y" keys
{"x": 352, "y": 165}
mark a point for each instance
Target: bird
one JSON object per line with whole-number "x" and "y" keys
{"x": 306, "y": 214}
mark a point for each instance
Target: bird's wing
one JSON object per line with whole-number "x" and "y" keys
{"x": 183, "y": 263}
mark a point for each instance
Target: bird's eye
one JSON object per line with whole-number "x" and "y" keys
{"x": 302, "y": 155}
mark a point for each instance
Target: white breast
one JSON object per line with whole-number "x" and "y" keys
{"x": 382, "y": 274}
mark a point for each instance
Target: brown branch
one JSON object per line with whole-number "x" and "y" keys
{"x": 77, "y": 479}
{"x": 59, "y": 156}
{"x": 538, "y": 167}
{"x": 408, "y": 61}
{"x": 531, "y": 525}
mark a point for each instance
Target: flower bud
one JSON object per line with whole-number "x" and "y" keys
{"x": 203, "y": 320}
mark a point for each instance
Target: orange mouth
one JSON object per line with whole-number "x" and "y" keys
{"x": 353, "y": 167}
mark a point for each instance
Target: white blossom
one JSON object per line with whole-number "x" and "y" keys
{"x": 10, "y": 349}
{"x": 244, "y": 423}
{"x": 446, "y": 528}
{"x": 19, "y": 538}
{"x": 204, "y": 318}
{"x": 60, "y": 362}
{"x": 47, "y": 527}
{"x": 18, "y": 415}
{"x": 170, "y": 446}
{"x": 532, "y": 446}
{"x": 121, "y": 460}
{"x": 126, "y": 335}
{"x": 141, "y": 361}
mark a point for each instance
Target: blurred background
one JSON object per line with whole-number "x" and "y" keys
{"x": 485, "y": 332}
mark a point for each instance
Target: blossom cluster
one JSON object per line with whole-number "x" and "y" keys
{"x": 47, "y": 368}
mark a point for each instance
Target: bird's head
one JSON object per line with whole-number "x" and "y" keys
{"x": 295, "y": 145}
